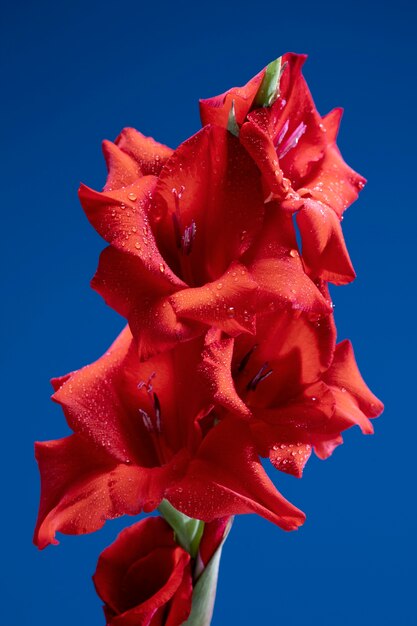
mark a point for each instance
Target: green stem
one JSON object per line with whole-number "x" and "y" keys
{"x": 188, "y": 533}
{"x": 204, "y": 594}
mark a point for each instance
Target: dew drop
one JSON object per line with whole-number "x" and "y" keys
{"x": 161, "y": 268}
{"x": 219, "y": 286}
{"x": 293, "y": 253}
{"x": 132, "y": 196}
{"x": 231, "y": 312}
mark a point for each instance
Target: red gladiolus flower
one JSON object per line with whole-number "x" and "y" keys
{"x": 301, "y": 390}
{"x": 182, "y": 255}
{"x": 143, "y": 433}
{"x": 295, "y": 149}
{"x": 144, "y": 577}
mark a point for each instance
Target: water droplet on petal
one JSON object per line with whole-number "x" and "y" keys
{"x": 161, "y": 268}
{"x": 294, "y": 253}
{"x": 132, "y": 196}
{"x": 231, "y": 311}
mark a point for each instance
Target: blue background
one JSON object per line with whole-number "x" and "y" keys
{"x": 77, "y": 72}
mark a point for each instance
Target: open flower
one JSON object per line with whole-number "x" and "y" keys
{"x": 295, "y": 149}
{"x": 144, "y": 431}
{"x": 300, "y": 389}
{"x": 144, "y": 577}
{"x": 183, "y": 238}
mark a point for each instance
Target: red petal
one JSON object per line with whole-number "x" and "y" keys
{"x": 355, "y": 403}
{"x": 290, "y": 457}
{"x": 180, "y": 605}
{"x": 213, "y": 535}
{"x": 227, "y": 478}
{"x": 287, "y": 433}
{"x": 324, "y": 249}
{"x": 122, "y": 169}
{"x": 132, "y": 156}
{"x": 216, "y": 373}
{"x": 105, "y": 401}
{"x": 261, "y": 148}
{"x": 297, "y": 350}
{"x": 172, "y": 565}
{"x": 333, "y": 182}
{"x": 275, "y": 264}
{"x": 121, "y": 218}
{"x": 325, "y": 448}
{"x": 82, "y": 487}
{"x": 284, "y": 284}
{"x": 216, "y": 110}
{"x": 143, "y": 570}
{"x": 150, "y": 154}
{"x": 227, "y": 303}
{"x": 221, "y": 193}
{"x": 92, "y": 406}
{"x": 142, "y": 296}
{"x": 131, "y": 545}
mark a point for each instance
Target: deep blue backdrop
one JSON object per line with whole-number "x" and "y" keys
{"x": 77, "y": 72}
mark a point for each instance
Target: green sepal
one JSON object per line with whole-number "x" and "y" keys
{"x": 268, "y": 91}
{"x": 188, "y": 531}
{"x": 232, "y": 125}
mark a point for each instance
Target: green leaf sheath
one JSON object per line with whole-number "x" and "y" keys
{"x": 268, "y": 91}
{"x": 188, "y": 531}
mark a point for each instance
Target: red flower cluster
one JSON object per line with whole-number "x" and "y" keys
{"x": 230, "y": 352}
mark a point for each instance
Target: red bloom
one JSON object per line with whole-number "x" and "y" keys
{"x": 296, "y": 151}
{"x": 301, "y": 390}
{"x": 143, "y": 433}
{"x": 144, "y": 577}
{"x": 182, "y": 255}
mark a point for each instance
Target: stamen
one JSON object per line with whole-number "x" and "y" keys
{"x": 157, "y": 409}
{"x": 260, "y": 376}
{"x": 177, "y": 230}
{"x": 188, "y": 238}
{"x": 282, "y": 133}
{"x": 147, "y": 384}
{"x": 183, "y": 240}
{"x": 146, "y": 420}
{"x": 292, "y": 140}
{"x": 246, "y": 358}
{"x": 177, "y": 193}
